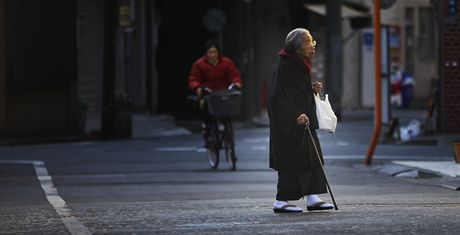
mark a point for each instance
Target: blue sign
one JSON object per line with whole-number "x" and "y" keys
{"x": 452, "y": 6}
{"x": 368, "y": 39}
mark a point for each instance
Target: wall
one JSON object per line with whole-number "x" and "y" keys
{"x": 140, "y": 57}
{"x": 367, "y": 68}
{"x": 42, "y": 75}
{"x": 138, "y": 72}
{"x": 182, "y": 37}
{"x": 240, "y": 38}
{"x": 351, "y": 67}
{"x": 272, "y": 25}
{"x": 3, "y": 72}
{"x": 90, "y": 29}
{"x": 424, "y": 70}
{"x": 450, "y": 73}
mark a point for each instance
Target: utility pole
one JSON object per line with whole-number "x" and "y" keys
{"x": 334, "y": 54}
{"x": 378, "y": 84}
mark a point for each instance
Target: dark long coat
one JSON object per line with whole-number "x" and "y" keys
{"x": 291, "y": 94}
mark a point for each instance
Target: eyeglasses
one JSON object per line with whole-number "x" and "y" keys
{"x": 310, "y": 44}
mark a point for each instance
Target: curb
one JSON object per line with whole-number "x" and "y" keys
{"x": 415, "y": 175}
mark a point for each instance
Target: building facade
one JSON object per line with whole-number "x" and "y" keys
{"x": 81, "y": 66}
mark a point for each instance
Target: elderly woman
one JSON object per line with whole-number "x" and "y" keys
{"x": 291, "y": 107}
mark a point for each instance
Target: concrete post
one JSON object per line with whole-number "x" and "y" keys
{"x": 251, "y": 95}
{"x": 107, "y": 117}
{"x": 334, "y": 55}
{"x": 3, "y": 72}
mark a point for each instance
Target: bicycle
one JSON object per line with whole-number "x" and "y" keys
{"x": 218, "y": 134}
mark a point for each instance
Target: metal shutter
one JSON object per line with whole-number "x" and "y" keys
{"x": 90, "y": 53}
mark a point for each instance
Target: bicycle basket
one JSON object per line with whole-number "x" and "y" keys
{"x": 224, "y": 103}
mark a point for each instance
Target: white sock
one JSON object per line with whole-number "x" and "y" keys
{"x": 312, "y": 199}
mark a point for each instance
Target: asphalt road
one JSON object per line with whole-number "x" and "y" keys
{"x": 164, "y": 186}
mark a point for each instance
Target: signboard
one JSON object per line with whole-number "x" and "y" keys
{"x": 126, "y": 15}
{"x": 368, "y": 40}
{"x": 450, "y": 18}
{"x": 214, "y": 20}
{"x": 452, "y": 7}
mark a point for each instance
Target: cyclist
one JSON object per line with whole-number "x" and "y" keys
{"x": 212, "y": 72}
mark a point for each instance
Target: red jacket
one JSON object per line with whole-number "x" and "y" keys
{"x": 217, "y": 77}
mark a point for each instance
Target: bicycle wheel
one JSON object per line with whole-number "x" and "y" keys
{"x": 213, "y": 148}
{"x": 230, "y": 146}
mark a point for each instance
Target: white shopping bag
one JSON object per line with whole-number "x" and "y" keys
{"x": 326, "y": 117}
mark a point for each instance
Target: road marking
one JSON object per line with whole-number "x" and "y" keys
{"x": 212, "y": 225}
{"x": 257, "y": 140}
{"x": 326, "y": 156}
{"x": 261, "y": 148}
{"x": 342, "y": 143}
{"x": 394, "y": 157}
{"x": 82, "y": 143}
{"x": 180, "y": 149}
{"x": 71, "y": 222}
{"x": 444, "y": 167}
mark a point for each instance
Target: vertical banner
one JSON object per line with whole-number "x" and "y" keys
{"x": 126, "y": 13}
{"x": 368, "y": 67}
{"x": 386, "y": 106}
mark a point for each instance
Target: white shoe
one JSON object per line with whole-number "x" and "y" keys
{"x": 319, "y": 206}
{"x": 314, "y": 203}
{"x": 285, "y": 207}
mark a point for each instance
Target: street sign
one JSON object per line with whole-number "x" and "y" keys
{"x": 452, "y": 6}
{"x": 126, "y": 14}
{"x": 214, "y": 20}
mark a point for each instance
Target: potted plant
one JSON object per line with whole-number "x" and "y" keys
{"x": 456, "y": 146}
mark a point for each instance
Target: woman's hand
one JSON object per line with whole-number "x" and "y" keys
{"x": 203, "y": 91}
{"x": 235, "y": 86}
{"x": 198, "y": 92}
{"x": 317, "y": 86}
{"x": 302, "y": 119}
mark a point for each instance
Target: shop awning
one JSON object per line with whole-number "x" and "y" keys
{"x": 348, "y": 11}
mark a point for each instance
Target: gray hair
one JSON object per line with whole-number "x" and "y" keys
{"x": 294, "y": 39}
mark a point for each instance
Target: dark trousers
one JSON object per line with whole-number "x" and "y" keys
{"x": 206, "y": 119}
{"x": 293, "y": 186}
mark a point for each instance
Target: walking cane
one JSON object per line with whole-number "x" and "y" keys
{"x": 307, "y": 128}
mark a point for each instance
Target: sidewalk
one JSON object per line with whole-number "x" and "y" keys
{"x": 148, "y": 126}
{"x": 448, "y": 168}
{"x": 151, "y": 126}
{"x": 440, "y": 168}
{"x": 145, "y": 126}
{"x": 409, "y": 169}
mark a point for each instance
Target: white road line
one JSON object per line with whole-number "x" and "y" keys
{"x": 383, "y": 157}
{"x": 329, "y": 156}
{"x": 175, "y": 149}
{"x": 71, "y": 222}
{"x": 179, "y": 149}
{"x": 261, "y": 148}
{"x": 257, "y": 140}
{"x": 342, "y": 143}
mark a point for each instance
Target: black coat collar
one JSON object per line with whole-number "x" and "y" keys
{"x": 295, "y": 67}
